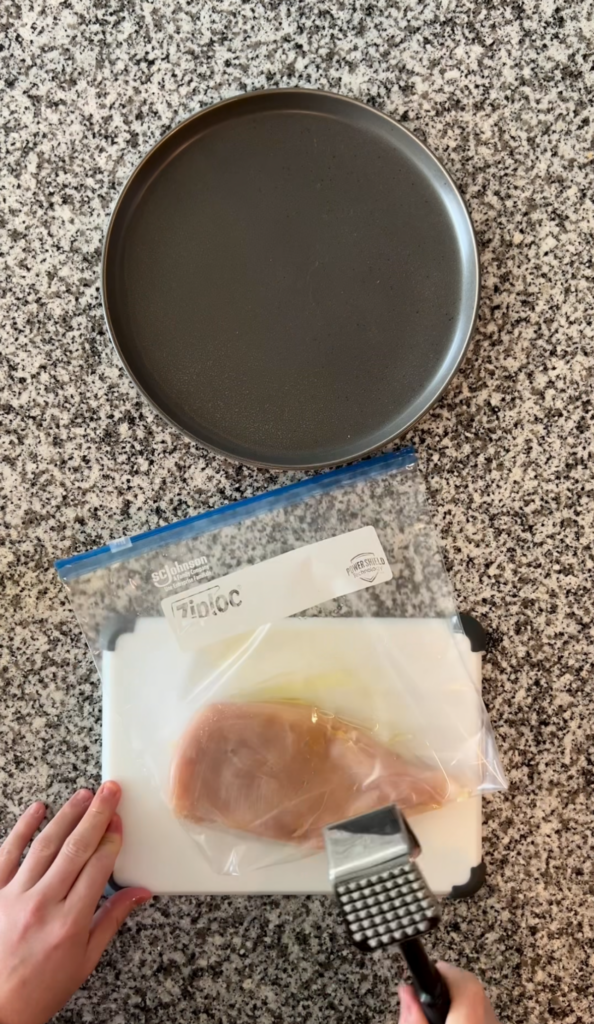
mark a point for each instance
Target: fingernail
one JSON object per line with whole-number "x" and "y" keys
{"x": 84, "y": 796}
{"x": 38, "y": 809}
{"x": 109, "y": 790}
{"x": 139, "y": 900}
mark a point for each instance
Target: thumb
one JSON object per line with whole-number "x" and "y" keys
{"x": 109, "y": 918}
{"x": 410, "y": 1007}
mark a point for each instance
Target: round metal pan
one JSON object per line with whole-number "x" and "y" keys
{"x": 290, "y": 278}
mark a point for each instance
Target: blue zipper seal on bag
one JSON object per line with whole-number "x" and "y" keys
{"x": 127, "y": 547}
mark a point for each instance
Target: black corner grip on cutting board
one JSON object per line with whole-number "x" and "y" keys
{"x": 476, "y": 880}
{"x": 112, "y": 887}
{"x": 114, "y": 627}
{"x": 475, "y": 633}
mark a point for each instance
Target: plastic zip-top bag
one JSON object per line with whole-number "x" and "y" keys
{"x": 275, "y": 689}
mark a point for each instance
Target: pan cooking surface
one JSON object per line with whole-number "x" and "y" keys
{"x": 291, "y": 278}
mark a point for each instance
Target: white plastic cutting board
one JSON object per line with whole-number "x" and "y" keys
{"x": 147, "y": 670}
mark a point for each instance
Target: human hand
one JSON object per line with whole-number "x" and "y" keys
{"x": 469, "y": 1003}
{"x": 51, "y": 934}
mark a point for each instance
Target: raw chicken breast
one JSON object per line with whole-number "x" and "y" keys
{"x": 284, "y": 771}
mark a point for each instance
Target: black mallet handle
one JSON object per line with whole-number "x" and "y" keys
{"x": 428, "y": 983}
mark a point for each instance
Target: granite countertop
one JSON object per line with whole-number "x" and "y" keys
{"x": 502, "y": 93}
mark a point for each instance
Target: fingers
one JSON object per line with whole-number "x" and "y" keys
{"x": 81, "y": 844}
{"x": 48, "y": 844}
{"x": 467, "y": 995}
{"x": 410, "y": 1007}
{"x": 109, "y": 919}
{"x": 14, "y": 845}
{"x": 90, "y": 884}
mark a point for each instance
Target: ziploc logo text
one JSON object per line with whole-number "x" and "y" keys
{"x": 203, "y": 603}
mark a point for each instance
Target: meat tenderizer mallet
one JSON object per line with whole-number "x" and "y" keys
{"x": 384, "y": 897}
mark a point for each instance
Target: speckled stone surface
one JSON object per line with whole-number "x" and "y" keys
{"x": 503, "y": 93}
